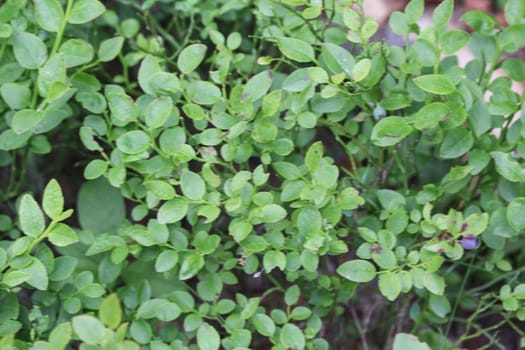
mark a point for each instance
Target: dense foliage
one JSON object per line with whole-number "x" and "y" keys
{"x": 258, "y": 174}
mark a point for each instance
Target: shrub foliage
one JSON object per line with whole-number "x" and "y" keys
{"x": 258, "y": 174}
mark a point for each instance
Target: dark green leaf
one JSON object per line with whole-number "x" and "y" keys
{"x": 30, "y": 52}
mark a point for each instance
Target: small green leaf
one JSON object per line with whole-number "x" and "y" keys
{"x": 192, "y": 185}
{"x": 172, "y": 211}
{"x": 62, "y": 235}
{"x": 191, "y": 265}
{"x": 37, "y": 274}
{"x": 30, "y": 215}
{"x": 30, "y": 52}
{"x": 456, "y": 143}
{"x": 514, "y": 11}
{"x": 257, "y": 86}
{"x": 15, "y": 278}
{"x": 273, "y": 213}
{"x": 264, "y": 324}
{"x": 110, "y": 48}
{"x": 123, "y": 109}
{"x": 162, "y": 189}
{"x": 110, "y": 311}
{"x": 84, "y": 11}
{"x": 434, "y": 283}
{"x": 60, "y": 336}
{"x": 453, "y": 40}
{"x": 95, "y": 169}
{"x": 296, "y": 49}
{"x": 208, "y": 338}
{"x": 191, "y": 57}
{"x": 390, "y": 285}
{"x": 77, "y": 52}
{"x": 166, "y": 260}
{"x": 429, "y": 116}
{"x": 25, "y": 120}
{"x": 390, "y": 131}
{"x": 515, "y": 214}
{"x": 404, "y": 341}
{"x": 133, "y": 142}
{"x": 435, "y": 83}
{"x": 507, "y": 167}
{"x": 158, "y": 112}
{"x": 442, "y": 13}
{"x": 361, "y": 69}
{"x": 292, "y": 337}
{"x": 89, "y": 329}
{"x": 49, "y": 14}
{"x": 360, "y": 271}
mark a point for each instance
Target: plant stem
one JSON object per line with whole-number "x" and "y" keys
{"x": 62, "y": 28}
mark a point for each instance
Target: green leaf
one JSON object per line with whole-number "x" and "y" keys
{"x": 257, "y": 86}
{"x": 361, "y": 69}
{"x": 435, "y": 83}
{"x": 77, "y": 52}
{"x": 110, "y": 48}
{"x": 442, "y": 13}
{"x": 264, "y": 324}
{"x": 512, "y": 38}
{"x": 360, "y": 271}
{"x": 166, "y": 260}
{"x": 161, "y": 309}
{"x": 456, "y": 143}
{"x": 429, "y": 116}
{"x": 17, "y": 96}
{"x": 95, "y": 169}
{"x": 149, "y": 67}
{"x": 292, "y": 337}
{"x": 208, "y": 338}
{"x": 31, "y": 218}
{"x": 37, "y": 274}
{"x": 190, "y": 266}
{"x": 123, "y": 109}
{"x": 404, "y": 341}
{"x": 414, "y": 10}
{"x": 60, "y": 336}
{"x": 100, "y": 206}
{"x": 84, "y": 11}
{"x": 514, "y": 11}
{"x": 273, "y": 259}
{"x": 192, "y": 185}
{"x": 453, "y": 40}
{"x": 390, "y": 131}
{"x": 25, "y": 120}
{"x": 62, "y": 235}
{"x": 273, "y": 213}
{"x": 54, "y": 70}
{"x": 425, "y": 52}
{"x": 172, "y": 211}
{"x": 49, "y": 14}
{"x": 434, "y": 283}
{"x": 390, "y": 285}
{"x": 507, "y": 167}
{"x": 203, "y": 92}
{"x": 191, "y": 57}
{"x": 296, "y": 49}
{"x": 133, "y": 142}
{"x": 158, "y": 112}
{"x": 515, "y": 214}
{"x": 515, "y": 68}
{"x": 398, "y": 21}
{"x": 30, "y": 52}
{"x": 89, "y": 329}
{"x": 110, "y": 311}
{"x": 162, "y": 189}
{"x": 15, "y": 278}
{"x": 337, "y": 59}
